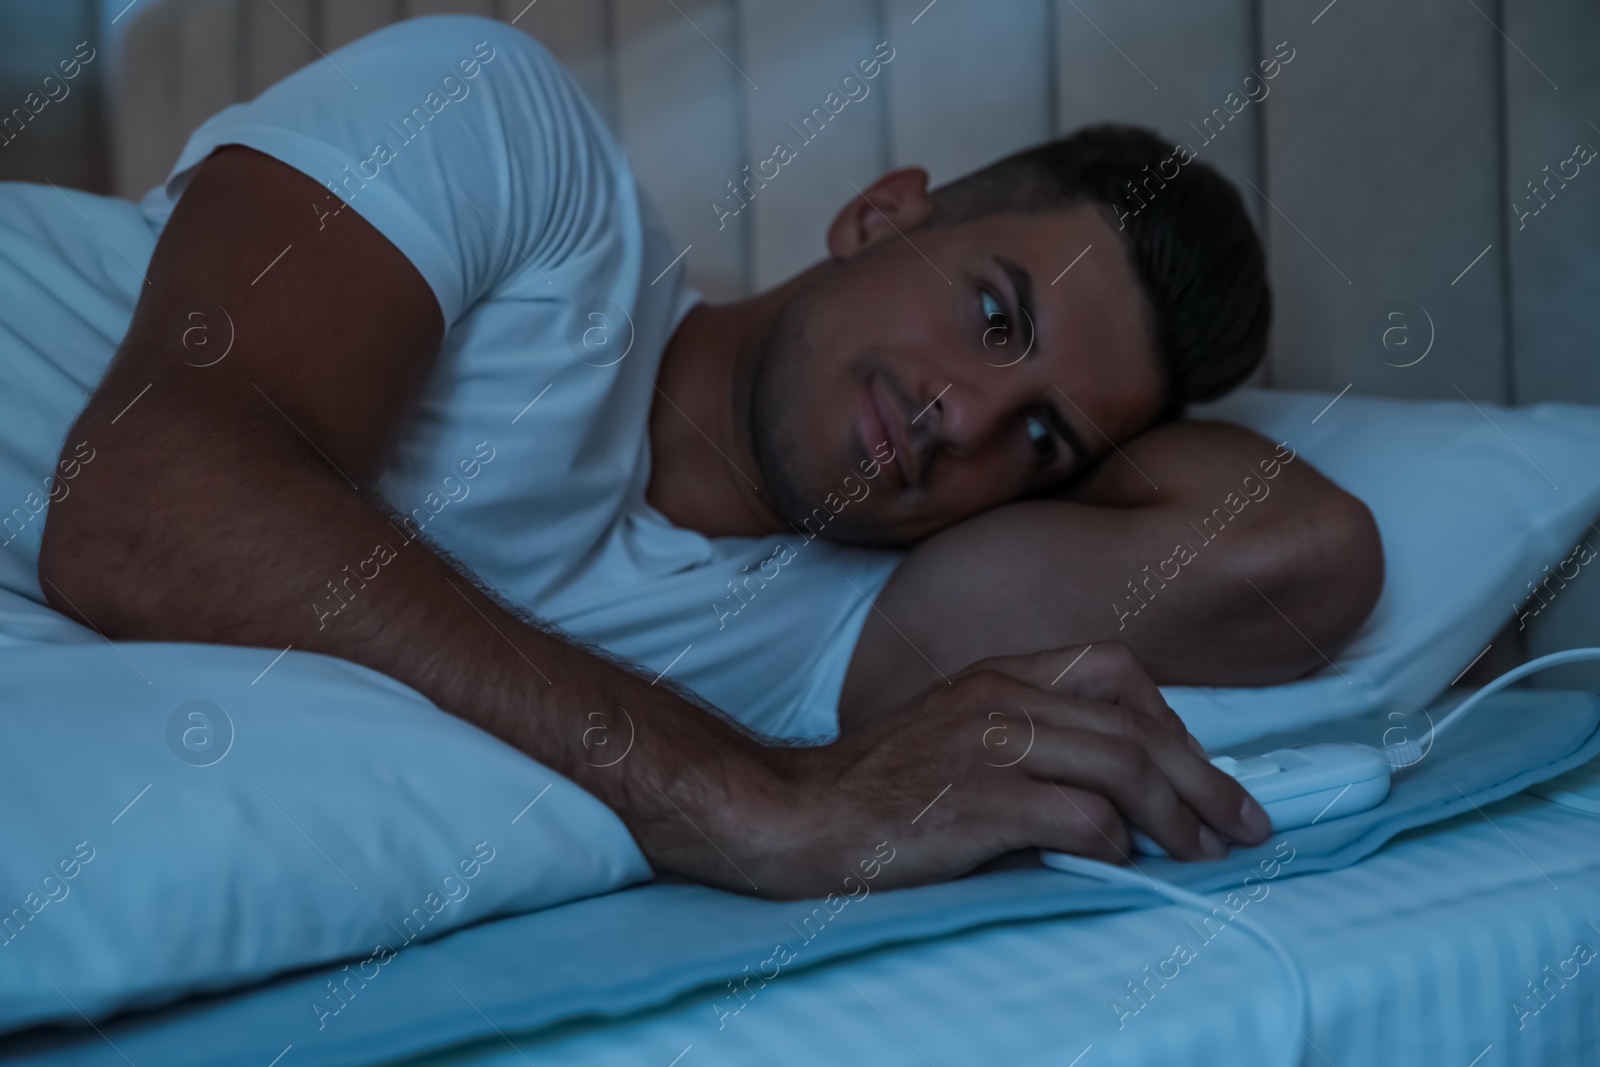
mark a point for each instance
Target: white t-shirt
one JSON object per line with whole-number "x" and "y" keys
{"x": 470, "y": 148}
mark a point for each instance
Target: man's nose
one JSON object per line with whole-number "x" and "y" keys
{"x": 966, "y": 416}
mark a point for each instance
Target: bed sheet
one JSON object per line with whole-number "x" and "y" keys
{"x": 1425, "y": 953}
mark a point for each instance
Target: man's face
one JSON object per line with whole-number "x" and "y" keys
{"x": 971, "y": 354}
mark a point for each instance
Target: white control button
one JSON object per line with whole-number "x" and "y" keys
{"x": 1255, "y": 767}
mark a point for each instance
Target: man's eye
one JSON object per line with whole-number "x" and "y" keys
{"x": 1044, "y": 442}
{"x": 999, "y": 328}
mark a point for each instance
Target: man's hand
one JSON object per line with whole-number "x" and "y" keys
{"x": 1061, "y": 750}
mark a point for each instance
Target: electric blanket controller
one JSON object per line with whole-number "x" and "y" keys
{"x": 1304, "y": 784}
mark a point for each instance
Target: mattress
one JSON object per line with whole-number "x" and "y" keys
{"x": 1425, "y": 953}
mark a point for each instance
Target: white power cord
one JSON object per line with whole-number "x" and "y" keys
{"x": 1399, "y": 756}
{"x": 1107, "y": 872}
{"x": 1408, "y": 753}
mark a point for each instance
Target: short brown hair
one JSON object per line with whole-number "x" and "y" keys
{"x": 1197, "y": 256}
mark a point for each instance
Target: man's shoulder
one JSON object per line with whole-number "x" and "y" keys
{"x": 455, "y": 47}
{"x": 457, "y": 54}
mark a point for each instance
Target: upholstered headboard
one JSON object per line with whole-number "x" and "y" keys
{"x": 1389, "y": 159}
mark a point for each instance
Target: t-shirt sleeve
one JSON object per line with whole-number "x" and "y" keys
{"x": 462, "y": 140}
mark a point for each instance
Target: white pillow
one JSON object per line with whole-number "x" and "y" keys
{"x": 324, "y": 812}
{"x": 1472, "y": 501}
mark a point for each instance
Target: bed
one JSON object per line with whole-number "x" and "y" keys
{"x": 1425, "y": 947}
{"x": 1417, "y": 956}
{"x": 1448, "y": 946}
{"x": 1459, "y": 943}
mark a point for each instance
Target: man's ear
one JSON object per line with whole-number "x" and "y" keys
{"x": 898, "y": 201}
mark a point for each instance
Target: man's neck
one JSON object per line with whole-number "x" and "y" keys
{"x": 703, "y": 472}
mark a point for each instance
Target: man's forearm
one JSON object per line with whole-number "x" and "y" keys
{"x": 167, "y": 538}
{"x": 1240, "y": 563}
{"x": 1183, "y": 546}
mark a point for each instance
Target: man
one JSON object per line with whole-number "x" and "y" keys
{"x": 455, "y": 417}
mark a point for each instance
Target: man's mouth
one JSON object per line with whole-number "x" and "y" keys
{"x": 882, "y": 422}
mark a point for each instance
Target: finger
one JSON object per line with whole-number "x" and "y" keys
{"x": 1121, "y": 770}
{"x": 1106, "y": 671}
{"x": 1068, "y": 819}
{"x": 1216, "y": 798}
{"x": 1000, "y": 704}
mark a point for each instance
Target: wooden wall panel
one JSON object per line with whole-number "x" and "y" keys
{"x": 799, "y": 56}
{"x": 678, "y": 106}
{"x": 1553, "y": 105}
{"x": 966, "y": 88}
{"x": 1385, "y": 172}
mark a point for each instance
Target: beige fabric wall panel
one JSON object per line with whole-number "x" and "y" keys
{"x": 276, "y": 42}
{"x": 1179, "y": 69}
{"x": 678, "y": 102}
{"x": 1397, "y": 181}
{"x": 1553, "y": 229}
{"x": 208, "y": 50}
{"x": 342, "y": 21}
{"x": 1170, "y": 67}
{"x": 146, "y": 131}
{"x": 1383, "y": 163}
{"x": 413, "y": 8}
{"x": 967, "y": 87}
{"x": 832, "y": 132}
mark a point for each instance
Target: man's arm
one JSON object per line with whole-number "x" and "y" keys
{"x": 224, "y": 498}
{"x": 1217, "y": 556}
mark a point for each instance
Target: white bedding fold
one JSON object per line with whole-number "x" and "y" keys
{"x": 193, "y": 817}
